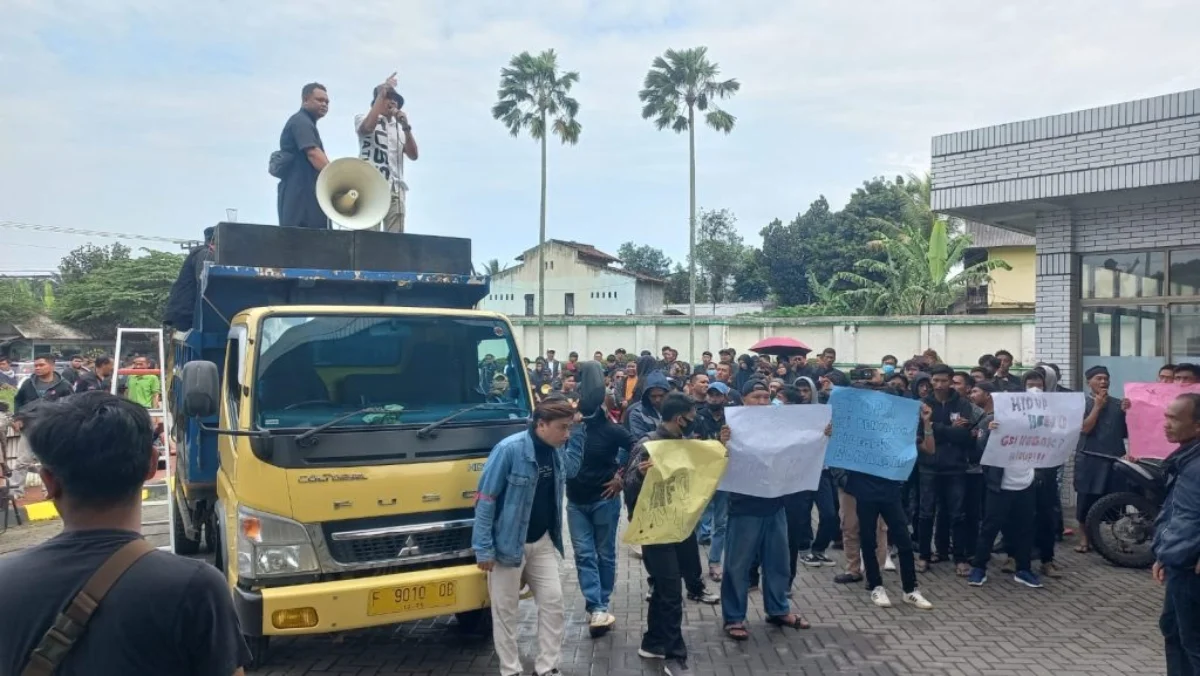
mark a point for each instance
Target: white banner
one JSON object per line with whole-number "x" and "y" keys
{"x": 1036, "y": 429}
{"x": 775, "y": 450}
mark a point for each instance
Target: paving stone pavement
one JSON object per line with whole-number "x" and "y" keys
{"x": 1095, "y": 621}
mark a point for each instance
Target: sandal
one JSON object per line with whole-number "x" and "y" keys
{"x": 791, "y": 620}
{"x": 936, "y": 558}
{"x": 737, "y": 632}
{"x": 1083, "y": 549}
{"x": 962, "y": 569}
{"x": 714, "y": 573}
{"x": 922, "y": 566}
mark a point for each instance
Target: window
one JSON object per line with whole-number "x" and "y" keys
{"x": 569, "y": 304}
{"x": 529, "y": 305}
{"x": 1138, "y": 311}
{"x": 233, "y": 381}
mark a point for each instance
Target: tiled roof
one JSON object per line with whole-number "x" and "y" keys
{"x": 985, "y": 236}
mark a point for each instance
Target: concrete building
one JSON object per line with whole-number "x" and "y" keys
{"x": 580, "y": 281}
{"x": 1112, "y": 195}
{"x": 1009, "y": 291}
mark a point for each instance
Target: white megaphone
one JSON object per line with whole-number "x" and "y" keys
{"x": 353, "y": 194}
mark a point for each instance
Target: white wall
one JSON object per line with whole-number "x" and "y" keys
{"x": 597, "y": 291}
{"x": 960, "y": 340}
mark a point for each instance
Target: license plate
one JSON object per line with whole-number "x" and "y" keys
{"x": 413, "y": 597}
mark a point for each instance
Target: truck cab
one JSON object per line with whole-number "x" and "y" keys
{"x": 337, "y": 421}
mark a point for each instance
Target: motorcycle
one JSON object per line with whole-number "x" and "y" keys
{"x": 1120, "y": 526}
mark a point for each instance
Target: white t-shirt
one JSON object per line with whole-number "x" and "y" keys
{"x": 1016, "y": 479}
{"x": 384, "y": 148}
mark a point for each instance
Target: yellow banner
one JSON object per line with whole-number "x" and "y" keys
{"x": 676, "y": 490}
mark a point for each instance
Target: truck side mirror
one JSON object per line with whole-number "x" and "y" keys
{"x": 201, "y": 389}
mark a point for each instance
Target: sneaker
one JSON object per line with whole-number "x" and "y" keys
{"x": 889, "y": 565}
{"x": 1051, "y": 570}
{"x": 647, "y": 655}
{"x": 601, "y": 620}
{"x": 915, "y": 598}
{"x": 1028, "y": 578}
{"x": 705, "y": 597}
{"x": 635, "y": 551}
{"x": 825, "y": 560}
{"x": 977, "y": 577}
{"x": 847, "y": 578}
{"x": 811, "y": 561}
{"x": 880, "y": 598}
{"x": 677, "y": 668}
{"x": 1010, "y": 566}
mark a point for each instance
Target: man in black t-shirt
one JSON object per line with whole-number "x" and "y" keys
{"x": 165, "y": 615}
{"x": 298, "y": 207}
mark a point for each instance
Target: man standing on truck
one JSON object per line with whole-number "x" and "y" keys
{"x": 518, "y": 529}
{"x": 384, "y": 139}
{"x": 303, "y": 157}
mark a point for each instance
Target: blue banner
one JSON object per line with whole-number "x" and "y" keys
{"x": 873, "y": 433}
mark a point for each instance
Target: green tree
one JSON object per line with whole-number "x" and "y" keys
{"x": 492, "y": 267}
{"x": 17, "y": 301}
{"x": 644, "y": 259}
{"x": 123, "y": 292}
{"x": 719, "y": 251}
{"x": 534, "y": 97}
{"x": 678, "y": 285}
{"x": 917, "y": 272}
{"x": 678, "y": 84}
{"x": 819, "y": 241}
{"x": 750, "y": 280}
{"x": 85, "y": 259}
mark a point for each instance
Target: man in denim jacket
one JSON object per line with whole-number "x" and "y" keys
{"x": 1177, "y": 540}
{"x": 518, "y": 528}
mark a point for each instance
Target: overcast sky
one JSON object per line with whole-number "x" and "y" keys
{"x": 153, "y": 117}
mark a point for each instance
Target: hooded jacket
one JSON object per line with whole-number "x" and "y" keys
{"x": 1177, "y": 530}
{"x": 953, "y": 445}
{"x": 643, "y": 417}
{"x": 815, "y": 397}
{"x": 633, "y": 477}
{"x": 917, "y": 380}
{"x": 606, "y": 446}
{"x": 27, "y": 393}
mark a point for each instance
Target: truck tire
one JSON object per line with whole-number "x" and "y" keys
{"x": 474, "y": 621}
{"x": 183, "y": 546}
{"x": 210, "y": 533}
{"x": 1134, "y": 551}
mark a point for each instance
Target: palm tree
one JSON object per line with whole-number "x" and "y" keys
{"x": 533, "y": 96}
{"x": 679, "y": 80}
{"x": 492, "y": 267}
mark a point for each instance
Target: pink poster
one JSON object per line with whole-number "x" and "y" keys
{"x": 1147, "y": 406}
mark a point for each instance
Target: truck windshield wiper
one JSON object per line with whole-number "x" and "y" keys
{"x": 428, "y": 430}
{"x": 304, "y": 438}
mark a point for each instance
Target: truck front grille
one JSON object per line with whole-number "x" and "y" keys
{"x": 407, "y": 544}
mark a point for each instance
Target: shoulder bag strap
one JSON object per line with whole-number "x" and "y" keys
{"x": 72, "y": 621}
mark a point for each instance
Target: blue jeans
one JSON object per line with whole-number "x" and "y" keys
{"x": 713, "y": 525}
{"x": 749, "y": 538}
{"x": 594, "y": 538}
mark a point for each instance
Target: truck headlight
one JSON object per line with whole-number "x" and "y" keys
{"x": 272, "y": 546}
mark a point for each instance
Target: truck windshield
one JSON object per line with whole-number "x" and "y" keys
{"x": 409, "y": 370}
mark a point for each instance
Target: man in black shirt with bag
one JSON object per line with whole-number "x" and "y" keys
{"x": 149, "y": 612}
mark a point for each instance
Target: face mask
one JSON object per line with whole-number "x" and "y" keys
{"x": 888, "y": 369}
{"x": 686, "y": 428}
{"x": 777, "y": 402}
{"x": 712, "y": 374}
{"x": 1034, "y": 389}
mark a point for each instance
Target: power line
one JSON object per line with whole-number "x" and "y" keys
{"x": 91, "y": 233}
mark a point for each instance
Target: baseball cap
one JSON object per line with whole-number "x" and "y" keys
{"x": 719, "y": 387}
{"x": 753, "y": 384}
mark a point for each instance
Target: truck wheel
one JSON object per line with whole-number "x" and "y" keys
{"x": 210, "y": 532}
{"x": 259, "y": 646}
{"x": 474, "y": 621}
{"x": 183, "y": 545}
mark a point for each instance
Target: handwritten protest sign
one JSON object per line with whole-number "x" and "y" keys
{"x": 873, "y": 433}
{"x": 1147, "y": 407}
{"x": 775, "y": 450}
{"x": 1036, "y": 429}
{"x": 676, "y": 490}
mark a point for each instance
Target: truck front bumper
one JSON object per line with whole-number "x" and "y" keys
{"x": 324, "y": 607}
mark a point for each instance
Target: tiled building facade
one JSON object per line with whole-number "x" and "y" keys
{"x": 1112, "y": 195}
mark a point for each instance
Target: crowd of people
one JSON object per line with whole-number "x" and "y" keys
{"x": 51, "y": 382}
{"x": 951, "y": 509}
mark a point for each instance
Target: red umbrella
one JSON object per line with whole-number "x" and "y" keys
{"x": 779, "y": 345}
